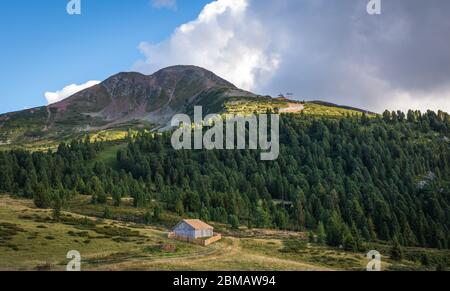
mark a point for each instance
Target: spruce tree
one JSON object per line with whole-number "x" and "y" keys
{"x": 57, "y": 205}
{"x": 107, "y": 213}
{"x": 321, "y": 234}
{"x": 41, "y": 197}
{"x": 396, "y": 252}
{"x": 234, "y": 222}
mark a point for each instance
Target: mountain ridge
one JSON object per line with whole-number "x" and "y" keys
{"x": 132, "y": 99}
{"x": 124, "y": 99}
{"x": 130, "y": 96}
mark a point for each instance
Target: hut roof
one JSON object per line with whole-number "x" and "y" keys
{"x": 197, "y": 224}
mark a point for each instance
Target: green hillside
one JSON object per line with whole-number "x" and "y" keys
{"x": 356, "y": 179}
{"x": 28, "y": 129}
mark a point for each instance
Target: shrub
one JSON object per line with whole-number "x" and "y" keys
{"x": 293, "y": 246}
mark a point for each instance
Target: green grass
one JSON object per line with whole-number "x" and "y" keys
{"x": 328, "y": 111}
{"x": 312, "y": 254}
{"x": 111, "y": 135}
{"x": 108, "y": 155}
{"x": 31, "y": 240}
{"x": 29, "y": 246}
{"x": 250, "y": 106}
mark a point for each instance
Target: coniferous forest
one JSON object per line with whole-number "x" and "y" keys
{"x": 347, "y": 180}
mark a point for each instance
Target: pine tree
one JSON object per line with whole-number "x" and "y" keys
{"x": 372, "y": 232}
{"x": 357, "y": 237}
{"x": 148, "y": 217}
{"x": 41, "y": 197}
{"x": 179, "y": 207}
{"x": 262, "y": 217}
{"x": 410, "y": 238}
{"x": 57, "y": 205}
{"x": 387, "y": 116}
{"x": 107, "y": 213}
{"x": 349, "y": 242}
{"x": 98, "y": 195}
{"x": 204, "y": 214}
{"x": 321, "y": 234}
{"x": 157, "y": 213}
{"x": 117, "y": 197}
{"x": 396, "y": 252}
{"x": 334, "y": 231}
{"x": 234, "y": 222}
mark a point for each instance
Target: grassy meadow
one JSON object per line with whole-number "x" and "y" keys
{"x": 30, "y": 239}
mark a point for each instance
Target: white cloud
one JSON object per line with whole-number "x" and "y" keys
{"x": 319, "y": 49}
{"x": 421, "y": 101}
{"x": 171, "y": 4}
{"x": 53, "y": 97}
{"x": 223, "y": 39}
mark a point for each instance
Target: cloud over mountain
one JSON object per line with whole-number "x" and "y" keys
{"x": 223, "y": 39}
{"x": 320, "y": 49}
{"x": 53, "y": 97}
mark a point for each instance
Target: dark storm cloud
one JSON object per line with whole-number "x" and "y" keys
{"x": 321, "y": 49}
{"x": 335, "y": 50}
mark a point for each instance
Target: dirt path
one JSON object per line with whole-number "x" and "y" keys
{"x": 211, "y": 255}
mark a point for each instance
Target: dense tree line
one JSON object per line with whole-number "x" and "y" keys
{"x": 53, "y": 177}
{"x": 346, "y": 180}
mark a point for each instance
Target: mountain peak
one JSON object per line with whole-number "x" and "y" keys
{"x": 192, "y": 73}
{"x": 173, "y": 74}
{"x": 182, "y": 69}
{"x": 129, "y": 96}
{"x": 122, "y": 75}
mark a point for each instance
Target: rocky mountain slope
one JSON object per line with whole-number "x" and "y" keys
{"x": 154, "y": 99}
{"x": 123, "y": 99}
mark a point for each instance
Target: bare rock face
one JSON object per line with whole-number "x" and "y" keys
{"x": 128, "y": 97}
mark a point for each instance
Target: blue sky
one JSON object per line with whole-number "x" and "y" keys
{"x": 44, "y": 49}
